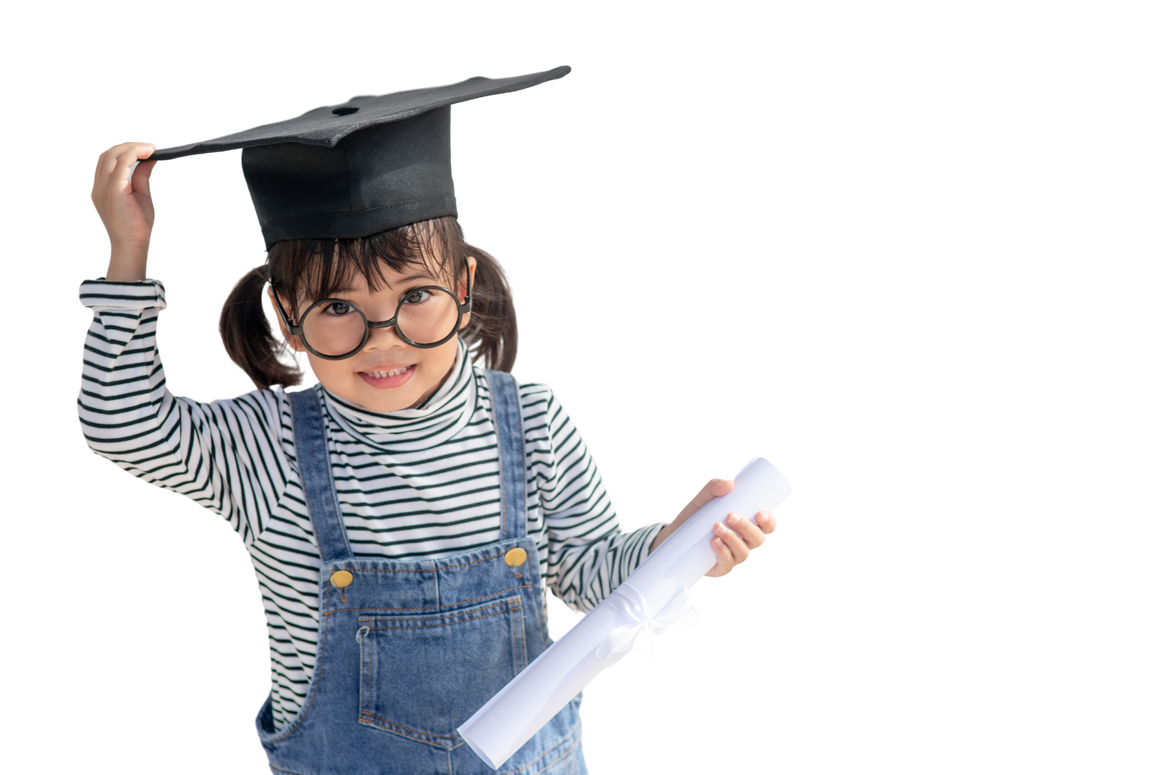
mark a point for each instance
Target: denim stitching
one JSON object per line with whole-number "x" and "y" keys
{"x": 514, "y": 607}
{"x": 500, "y": 455}
{"x": 424, "y": 607}
{"x": 409, "y": 729}
{"x": 426, "y": 570}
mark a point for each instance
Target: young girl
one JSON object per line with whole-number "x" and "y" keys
{"x": 405, "y": 515}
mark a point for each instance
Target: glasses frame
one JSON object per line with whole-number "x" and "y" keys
{"x": 462, "y": 308}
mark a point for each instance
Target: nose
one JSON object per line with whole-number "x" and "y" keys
{"x": 383, "y": 339}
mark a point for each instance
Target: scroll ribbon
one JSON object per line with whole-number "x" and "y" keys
{"x": 630, "y": 604}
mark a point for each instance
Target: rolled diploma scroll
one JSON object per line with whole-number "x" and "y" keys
{"x": 516, "y": 712}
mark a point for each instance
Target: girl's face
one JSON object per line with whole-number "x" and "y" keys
{"x": 388, "y": 374}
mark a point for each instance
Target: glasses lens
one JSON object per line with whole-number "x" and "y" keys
{"x": 427, "y": 315}
{"x": 424, "y": 316}
{"x": 334, "y": 327}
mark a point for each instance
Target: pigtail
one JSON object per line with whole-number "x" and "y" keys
{"x": 247, "y": 335}
{"x": 491, "y": 333}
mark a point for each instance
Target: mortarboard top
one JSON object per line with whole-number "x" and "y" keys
{"x": 356, "y": 169}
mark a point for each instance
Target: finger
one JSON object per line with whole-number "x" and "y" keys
{"x": 714, "y": 487}
{"x": 141, "y": 172}
{"x": 725, "y": 558}
{"x": 136, "y": 151}
{"x": 739, "y": 551}
{"x": 766, "y": 523}
{"x": 126, "y": 161}
{"x": 123, "y": 157}
{"x": 733, "y": 555}
{"x": 754, "y": 533}
{"x": 144, "y": 150}
{"x": 106, "y": 163}
{"x": 750, "y": 532}
{"x": 109, "y": 160}
{"x": 121, "y": 167}
{"x": 748, "y": 535}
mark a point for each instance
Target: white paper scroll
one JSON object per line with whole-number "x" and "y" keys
{"x": 651, "y": 598}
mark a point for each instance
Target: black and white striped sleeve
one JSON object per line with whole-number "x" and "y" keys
{"x": 226, "y": 455}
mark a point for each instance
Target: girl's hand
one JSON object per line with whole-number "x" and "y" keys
{"x": 733, "y": 540}
{"x": 121, "y": 196}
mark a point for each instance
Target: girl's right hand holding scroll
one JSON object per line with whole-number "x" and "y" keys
{"x": 733, "y": 539}
{"x": 121, "y": 196}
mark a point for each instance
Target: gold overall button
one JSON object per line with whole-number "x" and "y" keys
{"x": 515, "y": 557}
{"x": 342, "y": 578}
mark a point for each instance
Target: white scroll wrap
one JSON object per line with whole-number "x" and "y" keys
{"x": 632, "y": 606}
{"x": 649, "y": 601}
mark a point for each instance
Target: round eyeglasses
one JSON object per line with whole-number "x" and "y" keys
{"x": 335, "y": 329}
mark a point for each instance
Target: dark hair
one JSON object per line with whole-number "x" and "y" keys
{"x": 313, "y": 269}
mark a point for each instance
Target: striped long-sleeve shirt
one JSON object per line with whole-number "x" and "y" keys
{"x": 416, "y": 483}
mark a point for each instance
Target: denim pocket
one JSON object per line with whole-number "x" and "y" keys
{"x": 421, "y": 677}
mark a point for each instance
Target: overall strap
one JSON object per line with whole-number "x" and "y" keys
{"x": 318, "y": 484}
{"x": 511, "y": 442}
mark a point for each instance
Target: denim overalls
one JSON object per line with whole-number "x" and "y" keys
{"x": 410, "y": 649}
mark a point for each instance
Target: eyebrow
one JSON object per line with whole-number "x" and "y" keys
{"x": 419, "y": 274}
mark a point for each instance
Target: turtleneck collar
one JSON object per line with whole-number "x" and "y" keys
{"x": 436, "y": 420}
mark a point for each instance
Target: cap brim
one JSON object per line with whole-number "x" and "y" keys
{"x": 327, "y": 125}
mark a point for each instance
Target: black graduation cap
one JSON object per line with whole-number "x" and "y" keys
{"x": 350, "y": 170}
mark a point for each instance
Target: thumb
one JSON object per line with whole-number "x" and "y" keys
{"x": 715, "y": 488}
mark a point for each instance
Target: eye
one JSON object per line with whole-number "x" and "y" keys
{"x": 338, "y": 308}
{"x": 418, "y": 296}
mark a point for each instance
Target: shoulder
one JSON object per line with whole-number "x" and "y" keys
{"x": 536, "y": 398}
{"x": 541, "y": 412}
{"x": 270, "y": 401}
{"x": 543, "y": 418}
{"x": 317, "y": 418}
{"x": 253, "y": 416}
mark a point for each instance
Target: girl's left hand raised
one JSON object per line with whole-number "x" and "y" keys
{"x": 734, "y": 539}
